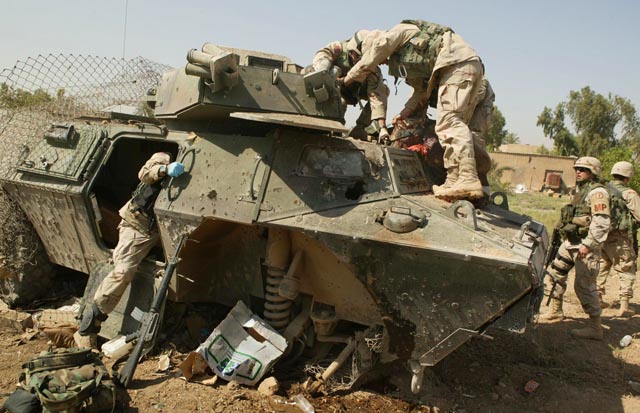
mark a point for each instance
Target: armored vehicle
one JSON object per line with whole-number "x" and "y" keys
{"x": 330, "y": 239}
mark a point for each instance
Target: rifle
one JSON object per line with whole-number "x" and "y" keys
{"x": 551, "y": 254}
{"x": 149, "y": 323}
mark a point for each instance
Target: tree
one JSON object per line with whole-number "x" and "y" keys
{"x": 15, "y": 98}
{"x": 511, "y": 137}
{"x": 564, "y": 143}
{"x": 599, "y": 123}
{"x": 497, "y": 132}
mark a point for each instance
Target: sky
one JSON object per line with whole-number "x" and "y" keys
{"x": 535, "y": 52}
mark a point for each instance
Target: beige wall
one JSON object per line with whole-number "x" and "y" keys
{"x": 530, "y": 170}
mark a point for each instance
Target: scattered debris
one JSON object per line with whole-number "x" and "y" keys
{"x": 625, "y": 341}
{"x": 164, "y": 363}
{"x": 61, "y": 337}
{"x": 15, "y": 320}
{"x": 303, "y": 404}
{"x": 55, "y": 318}
{"x": 243, "y": 347}
{"x": 117, "y": 347}
{"x": 531, "y": 386}
{"x": 269, "y": 386}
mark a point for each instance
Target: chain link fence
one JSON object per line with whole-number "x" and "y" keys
{"x": 50, "y": 89}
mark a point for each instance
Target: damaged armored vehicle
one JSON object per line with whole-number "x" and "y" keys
{"x": 330, "y": 239}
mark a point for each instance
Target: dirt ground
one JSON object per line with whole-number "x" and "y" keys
{"x": 484, "y": 375}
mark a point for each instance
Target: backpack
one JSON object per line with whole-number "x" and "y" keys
{"x": 621, "y": 218}
{"x": 69, "y": 380}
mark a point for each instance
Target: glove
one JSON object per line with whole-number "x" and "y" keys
{"x": 175, "y": 169}
{"x": 383, "y": 136}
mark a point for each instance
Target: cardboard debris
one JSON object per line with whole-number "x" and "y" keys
{"x": 61, "y": 336}
{"x": 15, "y": 320}
{"x": 243, "y": 347}
{"x": 194, "y": 367}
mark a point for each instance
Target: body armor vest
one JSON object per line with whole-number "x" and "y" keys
{"x": 621, "y": 218}
{"x": 417, "y": 57}
{"x": 144, "y": 197}
{"x": 577, "y": 229}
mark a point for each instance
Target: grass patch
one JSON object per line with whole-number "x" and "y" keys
{"x": 538, "y": 206}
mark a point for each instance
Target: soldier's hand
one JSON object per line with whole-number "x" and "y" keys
{"x": 398, "y": 120}
{"x": 175, "y": 169}
{"x": 383, "y": 136}
{"x": 340, "y": 82}
{"x": 583, "y": 251}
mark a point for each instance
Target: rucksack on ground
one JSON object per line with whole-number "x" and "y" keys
{"x": 69, "y": 380}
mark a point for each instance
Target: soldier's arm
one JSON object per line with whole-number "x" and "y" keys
{"x": 632, "y": 200}
{"x": 155, "y": 168}
{"x": 377, "y": 46}
{"x": 326, "y": 57}
{"x": 378, "y": 95}
{"x": 599, "y": 202}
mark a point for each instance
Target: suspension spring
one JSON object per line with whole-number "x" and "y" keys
{"x": 277, "y": 310}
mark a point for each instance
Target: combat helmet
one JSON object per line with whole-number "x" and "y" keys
{"x": 623, "y": 168}
{"x": 590, "y": 163}
{"x": 354, "y": 44}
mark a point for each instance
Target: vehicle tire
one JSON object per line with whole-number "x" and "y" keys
{"x": 26, "y": 274}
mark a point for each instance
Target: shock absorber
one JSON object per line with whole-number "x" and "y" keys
{"x": 277, "y": 310}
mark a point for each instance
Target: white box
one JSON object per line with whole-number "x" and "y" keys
{"x": 243, "y": 347}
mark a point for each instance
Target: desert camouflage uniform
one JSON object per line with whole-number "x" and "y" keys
{"x": 136, "y": 238}
{"x": 596, "y": 210}
{"x": 372, "y": 88}
{"x": 618, "y": 252}
{"x": 457, "y": 74}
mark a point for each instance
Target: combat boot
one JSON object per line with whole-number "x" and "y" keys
{"x": 467, "y": 186}
{"x": 555, "y": 313}
{"x": 452, "y": 177}
{"x": 593, "y": 330}
{"x": 625, "y": 309}
{"x": 92, "y": 319}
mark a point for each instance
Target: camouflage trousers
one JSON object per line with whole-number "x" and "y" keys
{"x": 459, "y": 92}
{"x": 133, "y": 246}
{"x": 586, "y": 273}
{"x": 618, "y": 254}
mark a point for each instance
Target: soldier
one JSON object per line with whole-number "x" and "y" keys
{"x": 137, "y": 236}
{"x": 344, "y": 55}
{"x": 620, "y": 250}
{"x": 432, "y": 57}
{"x": 583, "y": 226}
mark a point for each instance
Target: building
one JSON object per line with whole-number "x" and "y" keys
{"x": 532, "y": 171}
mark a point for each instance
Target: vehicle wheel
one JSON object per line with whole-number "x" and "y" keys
{"x": 26, "y": 273}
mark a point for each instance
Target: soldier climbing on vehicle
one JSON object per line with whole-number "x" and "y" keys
{"x": 137, "y": 236}
{"x": 341, "y": 56}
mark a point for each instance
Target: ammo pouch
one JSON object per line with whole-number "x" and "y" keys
{"x": 69, "y": 380}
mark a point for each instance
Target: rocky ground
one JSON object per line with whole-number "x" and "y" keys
{"x": 484, "y": 375}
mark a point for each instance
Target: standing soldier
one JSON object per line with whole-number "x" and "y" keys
{"x": 138, "y": 234}
{"x": 432, "y": 57}
{"x": 620, "y": 250}
{"x": 584, "y": 225}
{"x": 344, "y": 55}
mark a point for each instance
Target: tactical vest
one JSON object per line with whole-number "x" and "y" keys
{"x": 144, "y": 197}
{"x": 342, "y": 60}
{"x": 569, "y": 229}
{"x": 417, "y": 57}
{"x": 621, "y": 218}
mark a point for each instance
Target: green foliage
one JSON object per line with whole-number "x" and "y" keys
{"x": 594, "y": 119}
{"x": 511, "y": 137}
{"x": 616, "y": 154}
{"x": 600, "y": 123}
{"x": 13, "y": 98}
{"x": 494, "y": 176}
{"x": 543, "y": 150}
{"x": 496, "y": 133}
{"x": 564, "y": 143}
